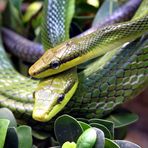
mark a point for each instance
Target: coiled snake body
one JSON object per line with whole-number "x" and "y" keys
{"x": 108, "y": 82}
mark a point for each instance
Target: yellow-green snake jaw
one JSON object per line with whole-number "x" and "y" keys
{"x": 79, "y": 50}
{"x": 53, "y": 94}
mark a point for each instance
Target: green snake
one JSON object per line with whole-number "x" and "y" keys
{"x": 30, "y": 51}
{"x": 88, "y": 98}
{"x": 15, "y": 42}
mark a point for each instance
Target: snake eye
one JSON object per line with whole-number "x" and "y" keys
{"x": 55, "y": 64}
{"x": 61, "y": 97}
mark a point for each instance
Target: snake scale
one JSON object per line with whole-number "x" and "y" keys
{"x": 120, "y": 73}
{"x": 30, "y": 51}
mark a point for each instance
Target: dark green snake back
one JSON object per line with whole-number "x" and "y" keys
{"x": 21, "y": 88}
{"x": 113, "y": 82}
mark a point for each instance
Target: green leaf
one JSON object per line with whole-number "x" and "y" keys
{"x": 25, "y": 136}
{"x": 84, "y": 8}
{"x": 120, "y": 133}
{"x": 107, "y": 8}
{"x": 5, "y": 113}
{"x": 11, "y": 138}
{"x": 67, "y": 128}
{"x": 32, "y": 10}
{"x": 110, "y": 144}
{"x": 17, "y": 4}
{"x": 69, "y": 145}
{"x": 84, "y": 125}
{"x": 100, "y": 142}
{"x": 13, "y": 20}
{"x": 103, "y": 128}
{"x": 4, "y": 123}
{"x": 87, "y": 139}
{"x": 126, "y": 144}
{"x": 40, "y": 135}
{"x": 36, "y": 24}
{"x": 108, "y": 124}
{"x": 121, "y": 119}
{"x": 82, "y": 119}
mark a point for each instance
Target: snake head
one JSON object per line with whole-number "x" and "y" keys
{"x": 53, "y": 94}
{"x": 53, "y": 61}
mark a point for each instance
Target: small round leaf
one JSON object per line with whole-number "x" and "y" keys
{"x": 87, "y": 139}
{"x": 5, "y": 113}
{"x": 25, "y": 136}
{"x": 67, "y": 128}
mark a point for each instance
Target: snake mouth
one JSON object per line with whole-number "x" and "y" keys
{"x": 44, "y": 115}
{"x": 41, "y": 115}
{"x": 47, "y": 112}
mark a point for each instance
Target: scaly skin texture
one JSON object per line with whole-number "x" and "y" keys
{"x": 78, "y": 50}
{"x": 68, "y": 80}
{"x": 40, "y": 111}
{"x": 54, "y": 93}
{"x": 115, "y": 80}
{"x": 57, "y": 19}
{"x": 43, "y": 113}
{"x": 31, "y": 52}
{"x": 124, "y": 13}
{"x": 118, "y": 77}
{"x": 87, "y": 75}
{"x": 142, "y": 10}
{"x": 13, "y": 84}
{"x": 52, "y": 96}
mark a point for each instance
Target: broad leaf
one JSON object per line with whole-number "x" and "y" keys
{"x": 108, "y": 124}
{"x": 107, "y": 8}
{"x": 121, "y": 119}
{"x": 7, "y": 114}
{"x": 4, "y": 123}
{"x": 84, "y": 125}
{"x": 11, "y": 138}
{"x": 25, "y": 136}
{"x": 103, "y": 128}
{"x": 40, "y": 135}
{"x": 110, "y": 144}
{"x": 67, "y": 128}
{"x": 87, "y": 139}
{"x": 82, "y": 119}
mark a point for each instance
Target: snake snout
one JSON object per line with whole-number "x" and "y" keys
{"x": 31, "y": 71}
{"x": 40, "y": 115}
{"x": 35, "y": 70}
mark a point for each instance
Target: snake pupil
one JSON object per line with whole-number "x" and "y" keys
{"x": 61, "y": 97}
{"x": 55, "y": 64}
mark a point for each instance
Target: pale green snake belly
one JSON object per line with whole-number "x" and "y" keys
{"x": 91, "y": 99}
